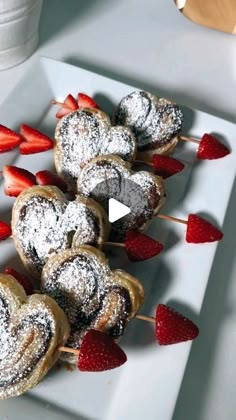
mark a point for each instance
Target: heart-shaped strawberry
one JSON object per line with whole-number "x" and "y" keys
{"x": 17, "y": 180}
{"x": 44, "y": 223}
{"x": 49, "y": 178}
{"x": 34, "y": 141}
{"x": 70, "y": 105}
{"x": 211, "y": 148}
{"x": 107, "y": 177}
{"x": 155, "y": 122}
{"x": 85, "y": 134}
{"x": 166, "y": 166}
{"x": 9, "y": 139}
{"x": 90, "y": 293}
{"x": 32, "y": 329}
{"x": 200, "y": 230}
{"x": 141, "y": 247}
{"x": 172, "y": 327}
{"x": 99, "y": 352}
{"x": 5, "y": 230}
{"x": 85, "y": 101}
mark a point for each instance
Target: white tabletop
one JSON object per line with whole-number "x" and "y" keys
{"x": 151, "y": 45}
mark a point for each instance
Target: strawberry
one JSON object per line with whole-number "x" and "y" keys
{"x": 70, "y": 105}
{"x": 166, "y": 166}
{"x": 23, "y": 280}
{"x": 172, "y": 327}
{"x": 9, "y": 139}
{"x": 99, "y": 352}
{"x": 34, "y": 141}
{"x": 200, "y": 230}
{"x": 140, "y": 247}
{"x": 48, "y": 178}
{"x": 17, "y": 180}
{"x": 85, "y": 101}
{"x": 211, "y": 148}
{"x": 5, "y": 230}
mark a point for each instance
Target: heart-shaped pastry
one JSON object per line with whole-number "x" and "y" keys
{"x": 85, "y": 134}
{"x": 108, "y": 177}
{"x": 155, "y": 122}
{"x": 31, "y": 331}
{"x": 44, "y": 223}
{"x": 90, "y": 293}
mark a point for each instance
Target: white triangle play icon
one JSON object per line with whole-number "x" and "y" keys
{"x": 116, "y": 210}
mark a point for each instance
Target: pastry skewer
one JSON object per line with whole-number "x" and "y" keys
{"x": 208, "y": 146}
{"x": 169, "y": 324}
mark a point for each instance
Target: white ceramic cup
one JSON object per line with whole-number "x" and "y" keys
{"x": 19, "y": 21}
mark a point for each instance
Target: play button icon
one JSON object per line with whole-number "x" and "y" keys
{"x": 116, "y": 210}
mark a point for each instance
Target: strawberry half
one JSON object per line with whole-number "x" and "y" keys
{"x": 85, "y": 101}
{"x": 17, "y": 180}
{"x": 70, "y": 105}
{"x": 211, "y": 148}
{"x": 5, "y": 230}
{"x": 34, "y": 141}
{"x": 9, "y": 139}
{"x": 99, "y": 352}
{"x": 140, "y": 247}
{"x": 48, "y": 178}
{"x": 172, "y": 327}
{"x": 200, "y": 230}
{"x": 166, "y": 166}
{"x": 23, "y": 280}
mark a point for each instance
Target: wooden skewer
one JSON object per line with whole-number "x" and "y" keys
{"x": 69, "y": 350}
{"x": 172, "y": 219}
{"x": 190, "y": 139}
{"x": 145, "y": 318}
{"x": 137, "y": 316}
{"x": 61, "y": 104}
{"x": 116, "y": 244}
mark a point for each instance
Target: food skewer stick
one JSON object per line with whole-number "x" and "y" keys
{"x": 208, "y": 146}
{"x": 138, "y": 246}
{"x": 171, "y": 326}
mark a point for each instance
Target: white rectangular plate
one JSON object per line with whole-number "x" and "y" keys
{"x": 147, "y": 385}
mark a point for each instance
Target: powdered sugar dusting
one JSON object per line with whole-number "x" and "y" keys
{"x": 85, "y": 134}
{"x": 155, "y": 122}
{"x": 84, "y": 287}
{"x": 45, "y": 226}
{"x": 108, "y": 177}
{"x": 26, "y": 334}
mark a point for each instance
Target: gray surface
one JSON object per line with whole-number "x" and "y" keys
{"x": 149, "y": 44}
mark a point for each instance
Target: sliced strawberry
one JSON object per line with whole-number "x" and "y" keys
{"x": 9, "y": 139}
{"x": 99, "y": 352}
{"x": 211, "y": 148}
{"x": 85, "y": 101}
{"x": 172, "y": 327}
{"x": 34, "y": 141}
{"x": 200, "y": 230}
{"x": 140, "y": 247}
{"x": 23, "y": 280}
{"x": 5, "y": 230}
{"x": 70, "y": 105}
{"x": 17, "y": 180}
{"x": 48, "y": 178}
{"x": 166, "y": 166}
